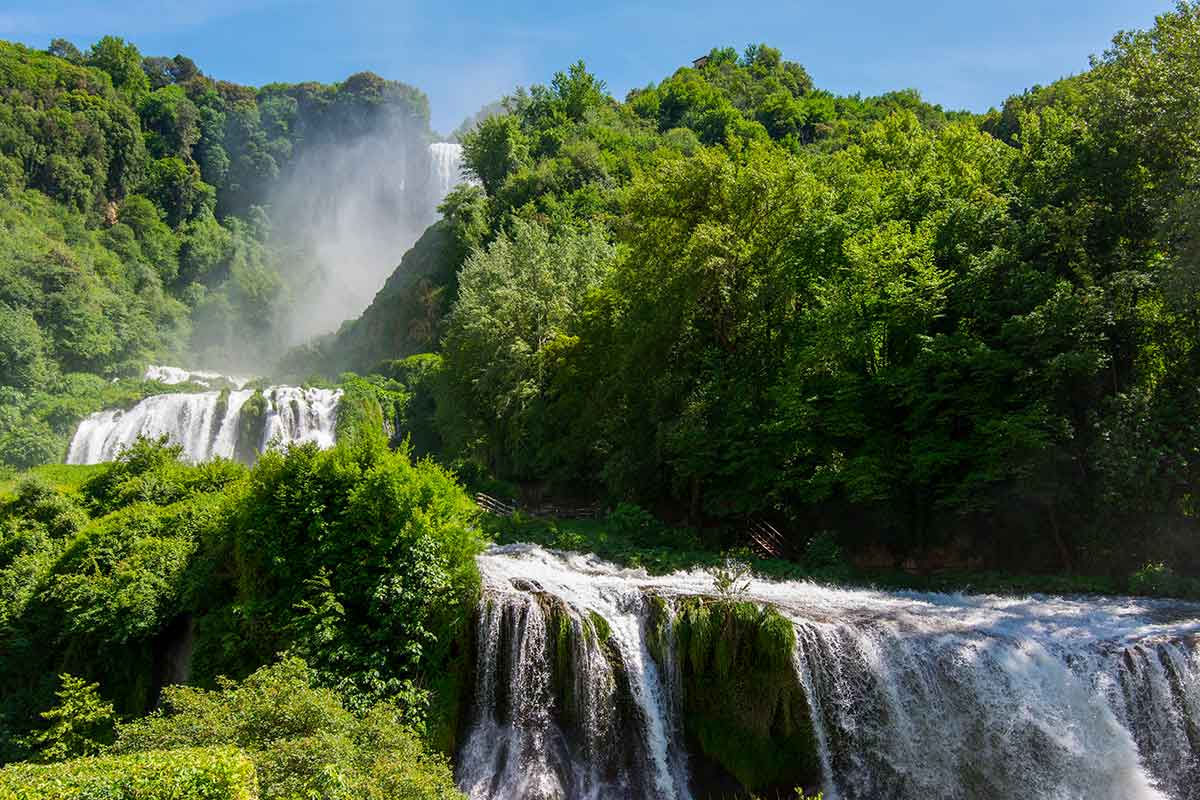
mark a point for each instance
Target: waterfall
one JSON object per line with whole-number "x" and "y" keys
{"x": 176, "y": 375}
{"x": 569, "y": 702}
{"x": 300, "y": 415}
{"x": 445, "y": 169}
{"x": 909, "y": 695}
{"x": 208, "y": 424}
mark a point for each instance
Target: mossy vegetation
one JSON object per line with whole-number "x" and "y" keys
{"x": 360, "y": 408}
{"x": 251, "y": 425}
{"x": 222, "y": 403}
{"x": 743, "y": 706}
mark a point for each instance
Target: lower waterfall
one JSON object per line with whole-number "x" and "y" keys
{"x": 208, "y": 424}
{"x": 582, "y": 682}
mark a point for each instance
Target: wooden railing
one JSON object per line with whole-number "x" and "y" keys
{"x": 566, "y": 512}
{"x": 768, "y": 541}
{"x": 494, "y": 505}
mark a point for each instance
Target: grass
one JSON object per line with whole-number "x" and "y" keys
{"x": 63, "y": 477}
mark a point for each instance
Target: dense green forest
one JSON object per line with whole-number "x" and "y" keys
{"x": 897, "y": 333}
{"x": 133, "y": 216}
{"x": 735, "y": 295}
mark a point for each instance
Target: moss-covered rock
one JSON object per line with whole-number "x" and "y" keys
{"x": 360, "y": 409}
{"x": 743, "y": 706}
{"x": 251, "y": 425}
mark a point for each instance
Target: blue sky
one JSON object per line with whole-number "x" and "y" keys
{"x": 964, "y": 54}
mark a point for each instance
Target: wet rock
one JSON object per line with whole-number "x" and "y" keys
{"x": 526, "y": 585}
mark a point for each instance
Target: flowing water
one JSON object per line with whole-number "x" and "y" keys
{"x": 910, "y": 695}
{"x": 445, "y": 168}
{"x": 172, "y": 376}
{"x": 206, "y": 424}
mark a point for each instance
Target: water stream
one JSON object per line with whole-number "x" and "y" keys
{"x": 910, "y": 695}
{"x": 206, "y": 424}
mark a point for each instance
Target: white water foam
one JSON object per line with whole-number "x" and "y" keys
{"x": 172, "y": 376}
{"x": 207, "y": 427}
{"x": 912, "y": 695}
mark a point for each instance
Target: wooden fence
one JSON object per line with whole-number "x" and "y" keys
{"x": 494, "y": 505}
{"x": 768, "y": 541}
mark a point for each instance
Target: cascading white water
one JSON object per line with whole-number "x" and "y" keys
{"x": 206, "y": 424}
{"x": 445, "y": 168}
{"x": 910, "y": 695}
{"x": 617, "y": 737}
{"x": 300, "y": 415}
{"x": 176, "y": 375}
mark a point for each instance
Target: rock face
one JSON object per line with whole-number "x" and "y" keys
{"x": 598, "y": 682}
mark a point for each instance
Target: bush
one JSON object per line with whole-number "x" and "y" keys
{"x": 29, "y": 444}
{"x": 631, "y": 520}
{"x": 80, "y": 725}
{"x": 216, "y": 773}
{"x": 358, "y": 560}
{"x": 149, "y": 470}
{"x": 1157, "y": 579}
{"x": 301, "y": 738}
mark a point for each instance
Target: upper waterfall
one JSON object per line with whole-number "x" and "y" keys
{"x": 210, "y": 424}
{"x": 581, "y": 681}
{"x": 176, "y": 375}
{"x": 445, "y": 168}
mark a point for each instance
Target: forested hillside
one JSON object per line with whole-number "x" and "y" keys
{"x": 901, "y": 339}
{"x": 734, "y": 295}
{"x": 134, "y": 222}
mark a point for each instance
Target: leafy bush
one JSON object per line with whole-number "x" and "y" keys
{"x": 1156, "y": 579}
{"x": 213, "y": 773}
{"x": 630, "y": 519}
{"x": 80, "y": 725}
{"x": 731, "y": 579}
{"x": 301, "y": 738}
{"x": 31, "y": 443}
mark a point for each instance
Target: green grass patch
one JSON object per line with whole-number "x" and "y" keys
{"x": 62, "y": 477}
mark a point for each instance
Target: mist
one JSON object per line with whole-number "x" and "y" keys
{"x": 345, "y": 213}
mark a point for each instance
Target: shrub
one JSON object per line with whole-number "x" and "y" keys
{"x": 731, "y": 579}
{"x": 631, "y": 520}
{"x": 217, "y": 773}
{"x": 301, "y": 738}
{"x": 29, "y": 444}
{"x": 1157, "y": 579}
{"x": 395, "y": 542}
{"x": 80, "y": 725}
{"x": 148, "y": 470}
